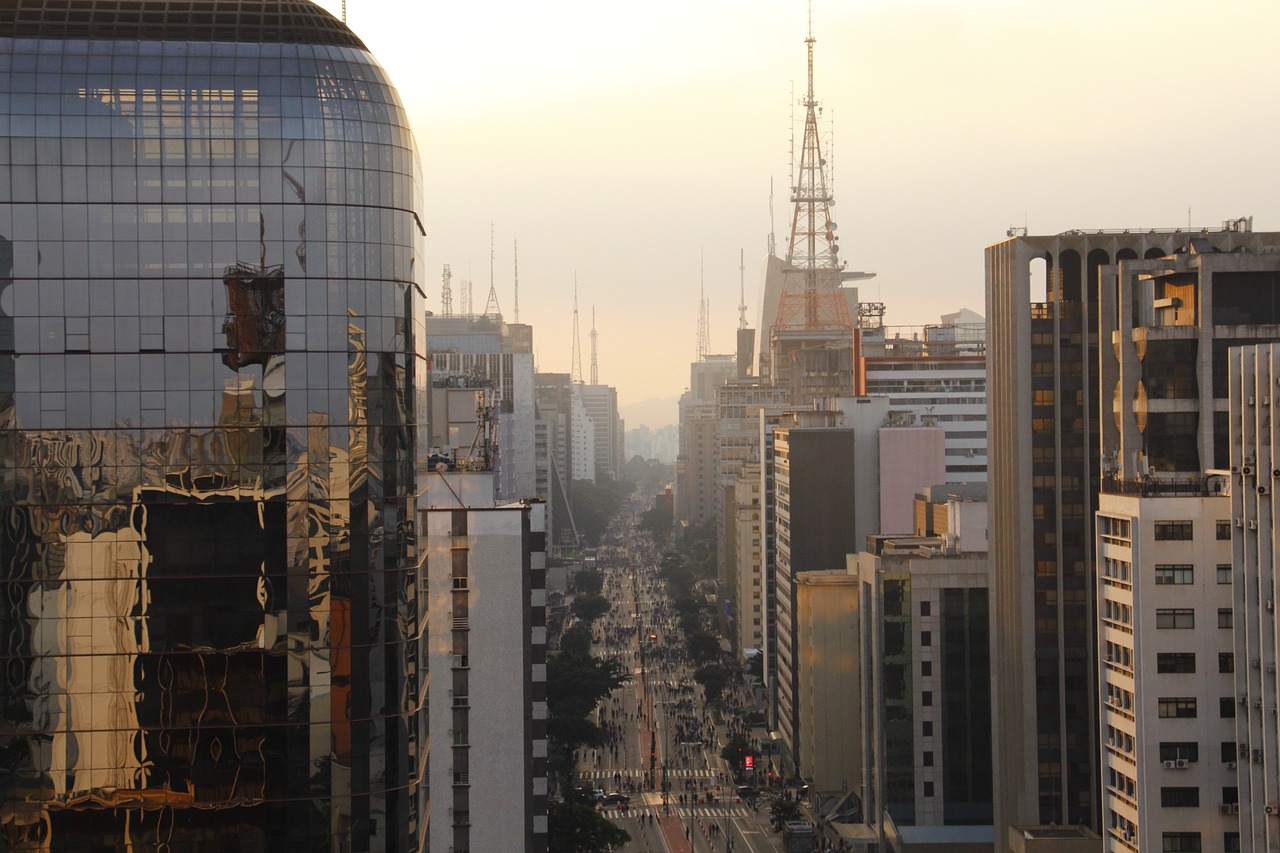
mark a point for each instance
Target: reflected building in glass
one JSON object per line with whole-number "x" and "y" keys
{"x": 211, "y": 389}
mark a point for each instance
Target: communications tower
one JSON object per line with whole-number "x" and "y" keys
{"x": 812, "y": 337}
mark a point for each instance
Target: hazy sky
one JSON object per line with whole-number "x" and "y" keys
{"x": 623, "y": 141}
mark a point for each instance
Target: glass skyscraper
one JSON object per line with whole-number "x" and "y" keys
{"x": 211, "y": 387}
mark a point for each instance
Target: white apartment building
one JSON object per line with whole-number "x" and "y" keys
{"x": 748, "y": 528}
{"x": 1167, "y": 700}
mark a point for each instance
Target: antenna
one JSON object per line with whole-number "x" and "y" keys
{"x": 575, "y": 358}
{"x": 704, "y": 333}
{"x": 773, "y": 243}
{"x": 344, "y": 11}
{"x": 446, "y": 293}
{"x": 515, "y": 257}
{"x": 491, "y": 308}
{"x": 742, "y": 289}
{"x": 595, "y": 372}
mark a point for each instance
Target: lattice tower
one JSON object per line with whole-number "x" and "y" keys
{"x": 446, "y": 293}
{"x": 575, "y": 358}
{"x": 595, "y": 368}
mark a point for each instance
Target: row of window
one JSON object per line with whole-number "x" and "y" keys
{"x": 1173, "y": 707}
{"x": 1185, "y": 617}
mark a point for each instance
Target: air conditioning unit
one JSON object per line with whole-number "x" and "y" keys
{"x": 1182, "y": 764}
{"x": 1271, "y": 808}
{"x": 1235, "y": 808}
{"x": 1170, "y": 764}
{"x": 1224, "y": 808}
{"x": 1231, "y": 765}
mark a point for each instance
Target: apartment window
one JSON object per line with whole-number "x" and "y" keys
{"x": 926, "y": 698}
{"x": 1224, "y": 617}
{"x": 1228, "y": 754}
{"x": 1177, "y": 706}
{"x": 1181, "y": 842}
{"x": 926, "y": 668}
{"x": 1180, "y": 798}
{"x": 926, "y": 728}
{"x": 1224, "y": 573}
{"x": 927, "y": 758}
{"x": 1226, "y": 662}
{"x": 1174, "y": 574}
{"x": 1222, "y": 530}
{"x": 1231, "y": 842}
{"x": 1230, "y": 794}
{"x": 1176, "y": 617}
{"x": 928, "y": 789}
{"x": 926, "y": 638}
{"x": 926, "y": 608}
{"x": 1175, "y": 662}
{"x": 459, "y": 583}
{"x": 1227, "y": 707}
{"x": 1179, "y": 750}
{"x": 1170, "y": 531}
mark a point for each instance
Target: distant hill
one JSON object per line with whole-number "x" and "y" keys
{"x": 654, "y": 413}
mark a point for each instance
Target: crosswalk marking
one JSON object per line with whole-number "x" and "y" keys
{"x": 682, "y": 773}
{"x": 711, "y": 811}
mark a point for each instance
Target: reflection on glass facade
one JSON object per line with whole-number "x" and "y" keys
{"x": 211, "y": 386}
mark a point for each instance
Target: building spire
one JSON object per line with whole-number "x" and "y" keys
{"x": 742, "y": 289}
{"x": 515, "y": 259}
{"x": 704, "y": 328}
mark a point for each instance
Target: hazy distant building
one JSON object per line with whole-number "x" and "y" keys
{"x": 696, "y": 478}
{"x": 1130, "y": 322}
{"x": 601, "y": 405}
{"x": 478, "y": 352}
{"x": 554, "y": 397}
{"x": 748, "y": 580}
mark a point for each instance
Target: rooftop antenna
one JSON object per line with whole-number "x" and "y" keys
{"x": 773, "y": 243}
{"x": 575, "y": 359}
{"x": 446, "y": 293}
{"x": 704, "y": 342}
{"x": 515, "y": 256}
{"x": 344, "y": 11}
{"x": 491, "y": 308}
{"x": 595, "y": 371}
{"x": 742, "y": 289}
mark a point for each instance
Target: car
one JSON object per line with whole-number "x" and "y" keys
{"x": 615, "y": 800}
{"x": 746, "y": 792}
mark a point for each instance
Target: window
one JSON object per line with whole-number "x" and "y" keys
{"x": 1175, "y": 662}
{"x": 1181, "y": 842}
{"x": 1222, "y": 530}
{"x": 926, "y": 728}
{"x": 1224, "y": 573}
{"x": 1224, "y": 617}
{"x": 1180, "y": 798}
{"x": 925, "y": 608}
{"x": 928, "y": 790}
{"x": 1175, "y": 750}
{"x": 927, "y": 758}
{"x": 459, "y": 583}
{"x": 1176, "y": 617}
{"x": 1227, "y": 707}
{"x": 926, "y": 638}
{"x": 1230, "y": 794}
{"x": 1226, "y": 662}
{"x": 926, "y": 668}
{"x": 1177, "y": 706}
{"x": 926, "y": 698}
{"x": 1170, "y": 531}
{"x": 1228, "y": 755}
{"x": 1231, "y": 842}
{"x": 1174, "y": 574}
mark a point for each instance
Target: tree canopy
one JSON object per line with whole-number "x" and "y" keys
{"x": 576, "y": 827}
{"x": 590, "y": 607}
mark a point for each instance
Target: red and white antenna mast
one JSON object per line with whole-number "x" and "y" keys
{"x": 811, "y": 293}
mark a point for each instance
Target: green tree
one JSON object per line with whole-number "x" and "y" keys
{"x": 576, "y": 827}
{"x": 703, "y": 647}
{"x": 736, "y": 750}
{"x": 713, "y": 679}
{"x": 783, "y": 811}
{"x": 588, "y": 580}
{"x": 590, "y": 607}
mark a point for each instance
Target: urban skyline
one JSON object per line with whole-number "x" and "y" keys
{"x": 624, "y": 146}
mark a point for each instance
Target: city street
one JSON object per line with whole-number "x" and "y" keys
{"x": 664, "y": 744}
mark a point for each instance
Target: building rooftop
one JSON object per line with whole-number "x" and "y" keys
{"x": 243, "y": 21}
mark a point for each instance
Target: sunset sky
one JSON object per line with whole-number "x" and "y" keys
{"x": 626, "y": 141}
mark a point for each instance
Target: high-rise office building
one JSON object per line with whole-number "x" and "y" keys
{"x": 210, "y": 389}
{"x": 1078, "y": 385}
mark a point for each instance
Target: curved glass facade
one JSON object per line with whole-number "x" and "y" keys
{"x": 211, "y": 383}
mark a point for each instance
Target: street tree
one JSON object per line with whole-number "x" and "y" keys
{"x": 782, "y": 811}
{"x": 576, "y": 827}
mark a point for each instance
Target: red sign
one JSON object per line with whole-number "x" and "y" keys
{"x": 749, "y": 762}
